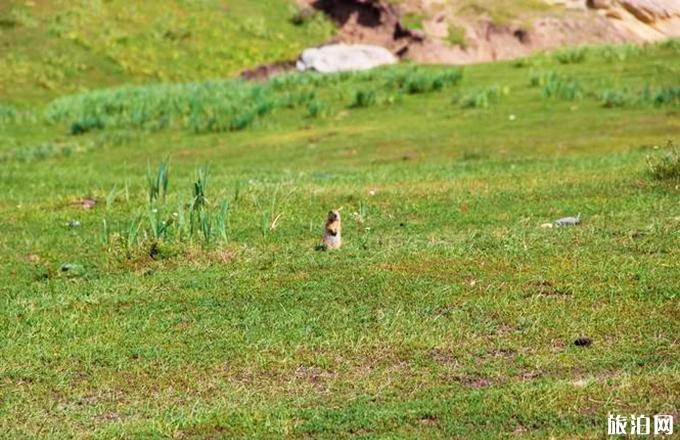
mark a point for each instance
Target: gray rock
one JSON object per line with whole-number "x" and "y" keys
{"x": 568, "y": 221}
{"x": 344, "y": 57}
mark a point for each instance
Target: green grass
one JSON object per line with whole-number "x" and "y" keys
{"x": 412, "y": 21}
{"x": 63, "y": 46}
{"x": 448, "y": 313}
{"x": 456, "y": 36}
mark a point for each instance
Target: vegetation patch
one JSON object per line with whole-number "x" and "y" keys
{"x": 144, "y": 297}
{"x": 665, "y": 165}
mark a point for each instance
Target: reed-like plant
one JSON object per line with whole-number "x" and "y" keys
{"x": 158, "y": 182}
{"x": 222, "y": 220}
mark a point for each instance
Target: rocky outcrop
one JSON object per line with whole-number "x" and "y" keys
{"x": 645, "y": 19}
{"x": 446, "y": 36}
{"x": 374, "y": 22}
{"x": 344, "y": 57}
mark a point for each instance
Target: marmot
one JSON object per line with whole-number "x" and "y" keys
{"x": 331, "y": 238}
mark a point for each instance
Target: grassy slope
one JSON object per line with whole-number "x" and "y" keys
{"x": 449, "y": 312}
{"x": 62, "y": 46}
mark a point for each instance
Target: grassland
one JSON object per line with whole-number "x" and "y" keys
{"x": 64, "y": 46}
{"x": 449, "y": 312}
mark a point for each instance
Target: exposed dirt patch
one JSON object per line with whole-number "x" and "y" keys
{"x": 265, "y": 71}
{"x": 503, "y": 353}
{"x": 429, "y": 420}
{"x": 545, "y": 288}
{"x": 368, "y": 21}
{"x": 447, "y": 34}
{"x": 315, "y": 376}
{"x": 444, "y": 357}
{"x": 475, "y": 382}
{"x": 109, "y": 417}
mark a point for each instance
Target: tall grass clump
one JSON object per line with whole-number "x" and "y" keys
{"x": 7, "y": 114}
{"x": 571, "y": 56}
{"x": 666, "y": 165}
{"x": 561, "y": 87}
{"x": 416, "y": 81}
{"x": 202, "y": 107}
{"x": 363, "y": 98}
{"x": 198, "y": 204}
{"x": 672, "y": 44}
{"x": 481, "y": 98}
{"x": 664, "y": 96}
{"x": 222, "y": 220}
{"x": 234, "y": 104}
{"x": 618, "y": 52}
{"x": 158, "y": 225}
{"x": 318, "y": 109}
{"x": 158, "y": 182}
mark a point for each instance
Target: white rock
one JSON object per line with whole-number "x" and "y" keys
{"x": 344, "y": 57}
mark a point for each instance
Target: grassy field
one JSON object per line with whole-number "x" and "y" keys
{"x": 189, "y": 302}
{"x": 54, "y": 47}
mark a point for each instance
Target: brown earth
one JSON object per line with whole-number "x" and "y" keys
{"x": 562, "y": 23}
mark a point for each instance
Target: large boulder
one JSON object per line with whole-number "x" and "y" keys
{"x": 344, "y": 57}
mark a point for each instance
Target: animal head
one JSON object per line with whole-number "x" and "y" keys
{"x": 333, "y": 216}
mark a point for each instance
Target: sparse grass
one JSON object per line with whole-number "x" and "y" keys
{"x": 481, "y": 98}
{"x": 448, "y": 313}
{"x": 412, "y": 21}
{"x": 501, "y": 12}
{"x": 456, "y": 36}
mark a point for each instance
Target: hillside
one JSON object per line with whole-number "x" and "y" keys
{"x": 60, "y": 47}
{"x": 159, "y": 276}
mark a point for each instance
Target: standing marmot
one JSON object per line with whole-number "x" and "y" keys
{"x": 331, "y": 238}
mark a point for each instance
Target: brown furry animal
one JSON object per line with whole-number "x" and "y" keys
{"x": 331, "y": 238}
